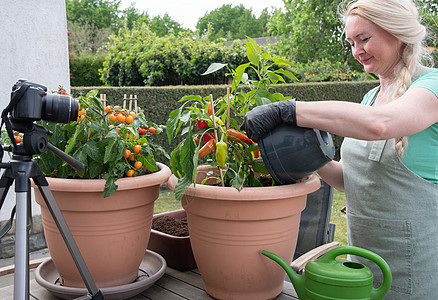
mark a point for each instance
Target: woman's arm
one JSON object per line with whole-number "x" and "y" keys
{"x": 416, "y": 110}
{"x": 332, "y": 174}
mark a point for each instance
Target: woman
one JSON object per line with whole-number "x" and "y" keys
{"x": 389, "y": 165}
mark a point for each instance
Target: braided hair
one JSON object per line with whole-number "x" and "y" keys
{"x": 401, "y": 19}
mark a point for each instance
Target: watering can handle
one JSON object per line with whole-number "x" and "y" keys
{"x": 300, "y": 263}
{"x": 378, "y": 293}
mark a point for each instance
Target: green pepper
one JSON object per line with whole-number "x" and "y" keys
{"x": 220, "y": 126}
{"x": 221, "y": 153}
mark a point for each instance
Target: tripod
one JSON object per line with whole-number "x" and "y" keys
{"x": 22, "y": 168}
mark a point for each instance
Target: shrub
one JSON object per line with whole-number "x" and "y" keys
{"x": 85, "y": 69}
{"x": 139, "y": 57}
{"x": 325, "y": 70}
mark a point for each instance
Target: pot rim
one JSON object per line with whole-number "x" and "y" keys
{"x": 98, "y": 185}
{"x": 307, "y": 186}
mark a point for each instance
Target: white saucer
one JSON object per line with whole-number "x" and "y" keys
{"x": 151, "y": 269}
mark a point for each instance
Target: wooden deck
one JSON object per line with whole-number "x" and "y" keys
{"x": 173, "y": 285}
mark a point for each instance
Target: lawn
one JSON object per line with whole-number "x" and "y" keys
{"x": 339, "y": 218}
{"x": 167, "y": 202}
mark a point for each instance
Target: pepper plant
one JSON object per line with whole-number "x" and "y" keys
{"x": 210, "y": 127}
{"x": 112, "y": 142}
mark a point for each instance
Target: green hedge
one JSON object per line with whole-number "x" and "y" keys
{"x": 158, "y": 102}
{"x": 85, "y": 70}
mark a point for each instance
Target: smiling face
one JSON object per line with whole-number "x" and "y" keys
{"x": 376, "y": 49}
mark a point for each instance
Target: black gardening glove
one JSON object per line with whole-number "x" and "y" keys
{"x": 263, "y": 118}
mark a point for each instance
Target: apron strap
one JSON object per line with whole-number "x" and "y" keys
{"x": 376, "y": 150}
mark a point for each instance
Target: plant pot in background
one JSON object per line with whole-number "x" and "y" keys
{"x": 229, "y": 229}
{"x": 176, "y": 250}
{"x": 112, "y": 233}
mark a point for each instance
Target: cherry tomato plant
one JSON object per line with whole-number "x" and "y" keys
{"x": 107, "y": 140}
{"x": 231, "y": 150}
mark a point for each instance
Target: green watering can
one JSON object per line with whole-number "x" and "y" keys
{"x": 330, "y": 278}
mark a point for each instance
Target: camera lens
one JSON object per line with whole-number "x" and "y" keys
{"x": 59, "y": 108}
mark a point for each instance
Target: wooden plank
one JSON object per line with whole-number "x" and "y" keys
{"x": 190, "y": 277}
{"x": 288, "y": 289}
{"x": 156, "y": 292}
{"x": 174, "y": 285}
{"x": 32, "y": 264}
{"x": 181, "y": 288}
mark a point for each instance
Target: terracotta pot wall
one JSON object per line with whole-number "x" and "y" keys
{"x": 112, "y": 233}
{"x": 229, "y": 228}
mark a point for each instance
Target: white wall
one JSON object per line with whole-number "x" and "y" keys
{"x": 33, "y": 46}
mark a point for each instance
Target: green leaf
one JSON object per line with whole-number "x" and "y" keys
{"x": 175, "y": 164}
{"x": 72, "y": 141}
{"x": 213, "y": 68}
{"x": 108, "y": 151}
{"x": 148, "y": 162}
{"x": 287, "y": 73}
{"x": 188, "y": 149}
{"x": 259, "y": 166}
{"x": 238, "y": 180}
{"x": 275, "y": 78}
{"x": 91, "y": 96}
{"x": 110, "y": 186}
{"x": 172, "y": 123}
{"x": 281, "y": 61}
{"x": 181, "y": 187}
{"x": 92, "y": 151}
{"x": 253, "y": 51}
{"x": 94, "y": 169}
{"x": 240, "y": 70}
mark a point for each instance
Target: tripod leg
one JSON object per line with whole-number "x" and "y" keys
{"x": 21, "y": 276}
{"x": 69, "y": 241}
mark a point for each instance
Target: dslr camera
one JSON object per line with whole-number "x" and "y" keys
{"x": 30, "y": 102}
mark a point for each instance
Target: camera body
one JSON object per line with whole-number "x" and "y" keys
{"x": 32, "y": 103}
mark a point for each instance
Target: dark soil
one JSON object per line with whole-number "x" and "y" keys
{"x": 172, "y": 226}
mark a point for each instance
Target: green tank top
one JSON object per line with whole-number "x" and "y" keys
{"x": 421, "y": 155}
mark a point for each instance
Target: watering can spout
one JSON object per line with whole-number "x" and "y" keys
{"x": 296, "y": 279}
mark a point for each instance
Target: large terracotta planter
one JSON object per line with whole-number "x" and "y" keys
{"x": 112, "y": 233}
{"x": 229, "y": 228}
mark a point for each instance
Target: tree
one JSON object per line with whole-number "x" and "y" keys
{"x": 163, "y": 25}
{"x": 311, "y": 27}
{"x": 312, "y": 30}
{"x": 86, "y": 37}
{"x": 102, "y": 13}
{"x": 429, "y": 13}
{"x": 232, "y": 23}
{"x": 132, "y": 15}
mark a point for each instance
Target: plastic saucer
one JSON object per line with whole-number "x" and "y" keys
{"x": 152, "y": 268}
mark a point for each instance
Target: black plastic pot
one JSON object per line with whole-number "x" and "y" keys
{"x": 291, "y": 153}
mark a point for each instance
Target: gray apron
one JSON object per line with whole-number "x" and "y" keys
{"x": 394, "y": 213}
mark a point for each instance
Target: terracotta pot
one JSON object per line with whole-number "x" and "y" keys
{"x": 229, "y": 228}
{"x": 112, "y": 233}
{"x": 176, "y": 250}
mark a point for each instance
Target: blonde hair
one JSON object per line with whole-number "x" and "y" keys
{"x": 401, "y": 19}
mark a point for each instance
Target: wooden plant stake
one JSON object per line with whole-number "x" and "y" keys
{"x": 135, "y": 102}
{"x": 103, "y": 100}
{"x": 215, "y": 134}
{"x": 228, "y": 111}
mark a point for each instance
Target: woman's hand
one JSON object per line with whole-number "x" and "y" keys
{"x": 263, "y": 118}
